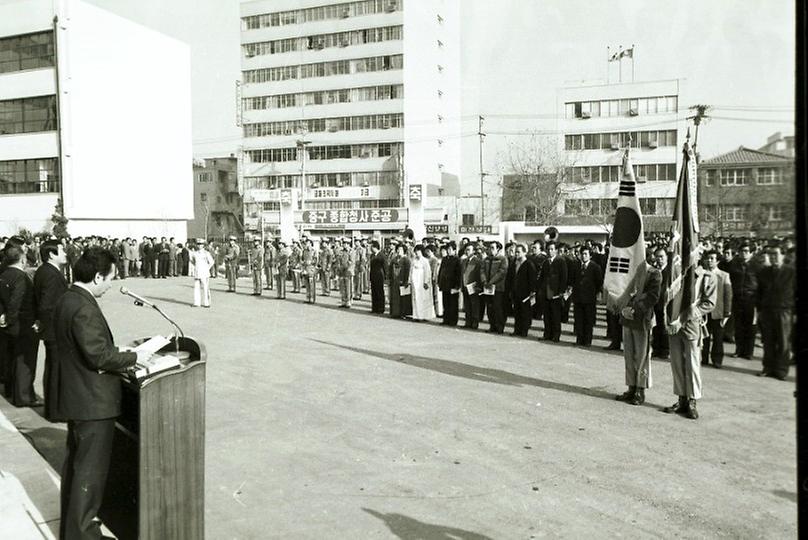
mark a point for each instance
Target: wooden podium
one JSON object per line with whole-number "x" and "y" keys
{"x": 156, "y": 484}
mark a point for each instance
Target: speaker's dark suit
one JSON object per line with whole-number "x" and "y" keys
{"x": 586, "y": 285}
{"x": 88, "y": 396}
{"x": 49, "y": 285}
{"x": 524, "y": 282}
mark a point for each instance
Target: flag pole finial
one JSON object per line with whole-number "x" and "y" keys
{"x": 687, "y": 136}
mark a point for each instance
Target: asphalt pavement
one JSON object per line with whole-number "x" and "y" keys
{"x": 331, "y": 423}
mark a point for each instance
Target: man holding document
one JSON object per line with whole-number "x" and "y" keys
{"x": 88, "y": 394}
{"x": 523, "y": 291}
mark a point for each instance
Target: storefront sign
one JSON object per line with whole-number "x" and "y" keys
{"x": 352, "y": 192}
{"x": 415, "y": 192}
{"x": 442, "y": 228}
{"x": 286, "y": 197}
{"x": 365, "y": 215}
{"x": 474, "y": 229}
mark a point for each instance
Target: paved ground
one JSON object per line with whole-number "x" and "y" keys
{"x": 327, "y": 423}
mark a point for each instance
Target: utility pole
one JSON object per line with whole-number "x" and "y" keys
{"x": 701, "y": 114}
{"x": 482, "y": 174}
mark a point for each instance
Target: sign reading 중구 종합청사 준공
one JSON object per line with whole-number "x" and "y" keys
{"x": 363, "y": 215}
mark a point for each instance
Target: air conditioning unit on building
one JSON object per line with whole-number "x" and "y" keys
{"x": 333, "y": 129}
{"x": 653, "y": 144}
{"x": 633, "y": 112}
{"x": 365, "y": 184}
{"x": 343, "y": 43}
{"x": 314, "y": 185}
{"x": 385, "y": 125}
{"x": 615, "y": 146}
{"x": 391, "y": 7}
{"x": 345, "y": 14}
{"x": 586, "y": 115}
{"x": 641, "y": 179}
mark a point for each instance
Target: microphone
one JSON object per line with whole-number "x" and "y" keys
{"x": 140, "y": 301}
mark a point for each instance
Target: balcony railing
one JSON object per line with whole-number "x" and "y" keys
{"x": 27, "y": 188}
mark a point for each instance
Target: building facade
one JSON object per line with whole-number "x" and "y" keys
{"x": 65, "y": 68}
{"x": 349, "y": 111}
{"x": 598, "y": 123}
{"x": 218, "y": 205}
{"x": 747, "y": 193}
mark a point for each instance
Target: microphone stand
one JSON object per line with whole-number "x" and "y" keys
{"x": 177, "y": 332}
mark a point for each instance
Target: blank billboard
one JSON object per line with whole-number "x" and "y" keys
{"x": 125, "y": 111}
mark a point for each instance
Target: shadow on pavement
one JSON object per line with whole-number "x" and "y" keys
{"x": 475, "y": 373}
{"x": 49, "y": 442}
{"x": 407, "y": 528}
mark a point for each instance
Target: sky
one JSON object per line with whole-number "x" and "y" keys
{"x": 736, "y": 55}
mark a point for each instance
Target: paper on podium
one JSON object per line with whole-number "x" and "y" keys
{"x": 153, "y": 345}
{"x": 156, "y": 364}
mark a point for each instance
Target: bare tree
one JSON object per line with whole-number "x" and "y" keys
{"x": 536, "y": 177}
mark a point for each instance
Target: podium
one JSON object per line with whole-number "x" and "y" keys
{"x": 156, "y": 484}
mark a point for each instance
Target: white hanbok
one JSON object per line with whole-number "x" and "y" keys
{"x": 423, "y": 306}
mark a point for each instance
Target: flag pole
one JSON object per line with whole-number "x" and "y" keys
{"x": 608, "y": 61}
{"x": 620, "y": 63}
{"x": 632, "y": 62}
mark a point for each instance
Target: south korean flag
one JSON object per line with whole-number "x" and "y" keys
{"x": 627, "y": 250}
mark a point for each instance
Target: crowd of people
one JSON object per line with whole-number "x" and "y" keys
{"x": 546, "y": 281}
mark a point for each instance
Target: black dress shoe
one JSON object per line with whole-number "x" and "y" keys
{"x": 627, "y": 395}
{"x": 679, "y": 407}
{"x": 691, "y": 411}
{"x": 763, "y": 374}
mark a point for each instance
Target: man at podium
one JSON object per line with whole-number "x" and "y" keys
{"x": 88, "y": 394}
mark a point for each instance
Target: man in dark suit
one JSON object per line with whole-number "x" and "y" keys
{"x": 537, "y": 257}
{"x": 660, "y": 344}
{"x": 744, "y": 290}
{"x": 586, "y": 285}
{"x": 470, "y": 268}
{"x": 450, "y": 279}
{"x": 524, "y": 283}
{"x": 17, "y": 336}
{"x": 88, "y": 394}
{"x": 494, "y": 270}
{"x": 552, "y": 287}
{"x": 49, "y": 285}
{"x": 775, "y": 304}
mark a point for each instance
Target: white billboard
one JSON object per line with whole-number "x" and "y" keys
{"x": 125, "y": 112}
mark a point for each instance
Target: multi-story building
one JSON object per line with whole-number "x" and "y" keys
{"x": 747, "y": 192}
{"x": 86, "y": 100}
{"x": 218, "y": 205}
{"x": 598, "y": 123}
{"x": 777, "y": 143}
{"x": 349, "y": 110}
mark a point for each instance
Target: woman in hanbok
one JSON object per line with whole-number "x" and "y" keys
{"x": 423, "y": 305}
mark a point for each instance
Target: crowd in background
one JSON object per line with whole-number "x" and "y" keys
{"x": 547, "y": 280}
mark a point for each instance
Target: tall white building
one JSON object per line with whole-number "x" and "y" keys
{"x": 349, "y": 110}
{"x": 598, "y": 122}
{"x": 95, "y": 110}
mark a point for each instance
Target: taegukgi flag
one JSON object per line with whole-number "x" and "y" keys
{"x": 627, "y": 251}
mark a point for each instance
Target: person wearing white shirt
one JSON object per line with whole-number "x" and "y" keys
{"x": 201, "y": 263}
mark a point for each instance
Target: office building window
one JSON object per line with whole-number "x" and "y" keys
{"x": 733, "y": 177}
{"x": 614, "y": 141}
{"x": 468, "y": 220}
{"x": 29, "y": 176}
{"x": 28, "y": 115}
{"x": 324, "y": 69}
{"x": 733, "y": 212}
{"x": 323, "y": 41}
{"x": 321, "y": 13}
{"x": 332, "y": 125}
{"x": 326, "y": 152}
{"x": 770, "y": 177}
{"x": 709, "y": 177}
{"x": 621, "y": 107}
{"x": 29, "y": 51}
{"x": 205, "y": 176}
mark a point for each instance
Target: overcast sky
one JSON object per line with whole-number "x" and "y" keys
{"x": 737, "y": 55}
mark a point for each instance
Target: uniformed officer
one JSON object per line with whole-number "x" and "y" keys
{"x": 231, "y": 258}
{"x": 269, "y": 264}
{"x": 257, "y": 266}
{"x": 295, "y": 260}
{"x": 324, "y": 266}
{"x": 346, "y": 264}
{"x": 359, "y": 263}
{"x": 281, "y": 266}
{"x": 309, "y": 267}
